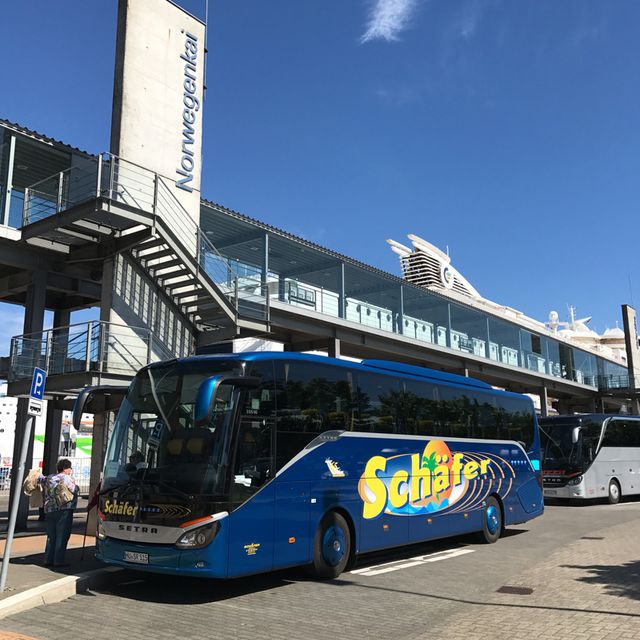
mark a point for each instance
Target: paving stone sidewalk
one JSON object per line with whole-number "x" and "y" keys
{"x": 26, "y": 570}
{"x": 589, "y": 590}
{"x": 27, "y": 555}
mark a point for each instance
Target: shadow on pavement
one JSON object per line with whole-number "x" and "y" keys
{"x": 167, "y": 589}
{"x": 76, "y": 561}
{"x": 483, "y": 603}
{"x": 622, "y": 580}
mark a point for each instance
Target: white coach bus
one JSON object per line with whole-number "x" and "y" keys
{"x": 590, "y": 456}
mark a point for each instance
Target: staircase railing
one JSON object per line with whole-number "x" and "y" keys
{"x": 60, "y": 191}
{"x": 93, "y": 347}
{"x": 113, "y": 178}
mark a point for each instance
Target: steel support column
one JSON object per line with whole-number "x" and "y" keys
{"x": 33, "y": 323}
{"x": 98, "y": 450}
{"x": 333, "y": 348}
{"x": 544, "y": 401}
{"x": 53, "y": 428}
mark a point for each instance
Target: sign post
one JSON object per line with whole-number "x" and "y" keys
{"x": 34, "y": 409}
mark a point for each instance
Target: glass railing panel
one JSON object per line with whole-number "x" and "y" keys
{"x": 16, "y": 205}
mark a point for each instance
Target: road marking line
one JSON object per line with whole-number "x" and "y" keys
{"x": 413, "y": 562}
{"x": 394, "y": 562}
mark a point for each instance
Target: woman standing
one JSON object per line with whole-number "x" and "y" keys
{"x": 60, "y": 499}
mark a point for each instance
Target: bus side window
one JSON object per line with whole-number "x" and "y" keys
{"x": 456, "y": 410}
{"x": 253, "y": 465}
{"x": 310, "y": 398}
{"x": 617, "y": 434}
{"x": 515, "y": 419}
{"x": 419, "y": 414}
{"x": 379, "y": 401}
{"x": 633, "y": 429}
{"x": 487, "y": 419}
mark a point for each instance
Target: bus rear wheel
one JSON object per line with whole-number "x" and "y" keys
{"x": 614, "y": 492}
{"x": 332, "y": 547}
{"x": 491, "y": 521}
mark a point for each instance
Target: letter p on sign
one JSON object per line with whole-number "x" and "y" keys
{"x": 37, "y": 384}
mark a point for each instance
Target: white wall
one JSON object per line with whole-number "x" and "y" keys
{"x": 154, "y": 98}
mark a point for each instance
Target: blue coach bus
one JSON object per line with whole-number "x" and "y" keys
{"x": 228, "y": 465}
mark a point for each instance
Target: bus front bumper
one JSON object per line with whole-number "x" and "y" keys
{"x": 566, "y": 492}
{"x": 155, "y": 558}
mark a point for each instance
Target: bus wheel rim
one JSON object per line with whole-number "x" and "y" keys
{"x": 333, "y": 545}
{"x": 613, "y": 490}
{"x": 493, "y": 519}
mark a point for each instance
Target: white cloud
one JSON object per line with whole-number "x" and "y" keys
{"x": 387, "y": 19}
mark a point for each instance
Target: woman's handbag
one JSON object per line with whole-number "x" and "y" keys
{"x": 63, "y": 494}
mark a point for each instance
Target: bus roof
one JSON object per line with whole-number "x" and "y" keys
{"x": 366, "y": 365}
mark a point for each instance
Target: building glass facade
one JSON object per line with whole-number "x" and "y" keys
{"x": 314, "y": 279}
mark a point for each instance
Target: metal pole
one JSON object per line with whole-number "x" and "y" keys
{"x": 25, "y": 208}
{"x": 87, "y": 364}
{"x": 26, "y": 438}
{"x": 60, "y": 187}
{"x": 102, "y": 343}
{"x": 48, "y": 350}
{"x": 155, "y": 194}
{"x": 99, "y": 177}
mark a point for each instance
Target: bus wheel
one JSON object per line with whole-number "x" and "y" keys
{"x": 491, "y": 521}
{"x": 614, "y": 492}
{"x": 332, "y": 546}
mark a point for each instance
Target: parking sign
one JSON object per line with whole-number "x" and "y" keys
{"x": 37, "y": 384}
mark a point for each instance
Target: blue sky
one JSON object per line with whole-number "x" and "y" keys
{"x": 507, "y": 131}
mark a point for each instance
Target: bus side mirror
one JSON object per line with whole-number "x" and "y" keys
{"x": 96, "y": 400}
{"x": 575, "y": 435}
{"x": 206, "y": 396}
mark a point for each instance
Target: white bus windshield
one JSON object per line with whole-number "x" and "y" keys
{"x": 559, "y": 452}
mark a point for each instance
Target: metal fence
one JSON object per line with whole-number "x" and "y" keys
{"x": 614, "y": 382}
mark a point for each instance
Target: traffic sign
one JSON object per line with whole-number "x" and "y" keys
{"x": 34, "y": 408}
{"x": 37, "y": 384}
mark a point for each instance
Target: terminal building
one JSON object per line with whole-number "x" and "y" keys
{"x": 131, "y": 234}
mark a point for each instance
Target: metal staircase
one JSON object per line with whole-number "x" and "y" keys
{"x": 109, "y": 205}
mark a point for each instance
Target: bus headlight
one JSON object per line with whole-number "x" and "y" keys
{"x": 575, "y": 481}
{"x": 198, "y": 538}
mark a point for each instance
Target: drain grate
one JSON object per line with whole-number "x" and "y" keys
{"x": 516, "y": 591}
{"x": 591, "y": 538}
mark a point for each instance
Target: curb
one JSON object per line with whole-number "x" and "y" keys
{"x": 55, "y": 591}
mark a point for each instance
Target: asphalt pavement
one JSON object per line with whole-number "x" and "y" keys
{"x": 574, "y": 573}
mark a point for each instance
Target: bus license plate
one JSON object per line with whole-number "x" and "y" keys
{"x": 134, "y": 556}
{"x": 550, "y": 492}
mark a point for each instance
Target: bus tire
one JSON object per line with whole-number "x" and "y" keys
{"x": 614, "y": 492}
{"x": 491, "y": 521}
{"x": 332, "y": 547}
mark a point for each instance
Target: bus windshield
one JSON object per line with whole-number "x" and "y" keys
{"x": 559, "y": 452}
{"x": 155, "y": 439}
